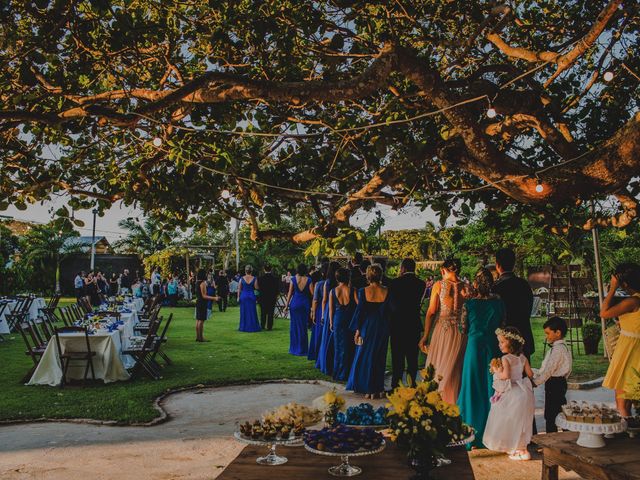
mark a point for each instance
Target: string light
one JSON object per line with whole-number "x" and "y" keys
{"x": 608, "y": 76}
{"x": 539, "y": 186}
{"x": 157, "y": 142}
{"x": 225, "y": 194}
{"x": 491, "y": 112}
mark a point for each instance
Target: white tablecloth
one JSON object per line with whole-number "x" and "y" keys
{"x": 107, "y": 363}
{"x": 34, "y": 310}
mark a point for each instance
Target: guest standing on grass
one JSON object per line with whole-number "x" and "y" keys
{"x": 316, "y": 312}
{"x": 247, "y": 301}
{"x": 481, "y": 316}
{"x": 371, "y": 325}
{"x": 223, "y": 290}
{"x": 342, "y": 303}
{"x": 326, "y": 352}
{"x": 299, "y": 305}
{"x": 269, "y": 287}
{"x": 405, "y": 294}
{"x": 626, "y": 356}
{"x": 202, "y": 298}
{"x": 172, "y": 291}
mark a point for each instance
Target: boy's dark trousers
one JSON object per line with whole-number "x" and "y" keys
{"x": 555, "y": 390}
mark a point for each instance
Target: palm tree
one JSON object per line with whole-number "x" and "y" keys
{"x": 142, "y": 238}
{"x": 44, "y": 245}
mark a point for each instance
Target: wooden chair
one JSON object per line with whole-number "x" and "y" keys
{"x": 142, "y": 327}
{"x": 67, "y": 357}
{"x": 142, "y": 353}
{"x": 160, "y": 341}
{"x": 34, "y": 349}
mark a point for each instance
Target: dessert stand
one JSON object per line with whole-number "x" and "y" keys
{"x": 271, "y": 458}
{"x": 591, "y": 434}
{"x": 444, "y": 461}
{"x": 345, "y": 469}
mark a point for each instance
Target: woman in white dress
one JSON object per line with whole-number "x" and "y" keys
{"x": 510, "y": 423}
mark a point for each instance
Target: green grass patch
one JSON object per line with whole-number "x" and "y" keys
{"x": 230, "y": 357}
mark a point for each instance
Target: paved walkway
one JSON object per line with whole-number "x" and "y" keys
{"x": 194, "y": 444}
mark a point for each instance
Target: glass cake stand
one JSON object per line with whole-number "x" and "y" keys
{"x": 271, "y": 458}
{"x": 444, "y": 461}
{"x": 590, "y": 433}
{"x": 345, "y": 469}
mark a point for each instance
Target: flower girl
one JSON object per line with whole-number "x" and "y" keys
{"x": 510, "y": 423}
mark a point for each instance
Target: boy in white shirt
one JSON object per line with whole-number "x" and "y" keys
{"x": 554, "y": 371}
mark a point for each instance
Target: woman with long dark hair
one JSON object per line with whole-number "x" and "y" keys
{"x": 342, "y": 303}
{"x": 299, "y": 304}
{"x": 325, "y": 354}
{"x": 626, "y": 356}
{"x": 202, "y": 299}
{"x": 318, "y": 279}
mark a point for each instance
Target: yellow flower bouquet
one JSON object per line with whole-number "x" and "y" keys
{"x": 333, "y": 403}
{"x": 421, "y": 422}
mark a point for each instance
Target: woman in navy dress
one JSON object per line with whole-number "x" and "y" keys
{"x": 316, "y": 313}
{"x": 325, "y": 354}
{"x": 247, "y": 301}
{"x": 371, "y": 324}
{"x": 342, "y": 304}
{"x": 299, "y": 304}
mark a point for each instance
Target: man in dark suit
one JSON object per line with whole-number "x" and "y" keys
{"x": 222, "y": 282}
{"x": 406, "y": 293}
{"x": 517, "y": 296}
{"x": 268, "y": 286}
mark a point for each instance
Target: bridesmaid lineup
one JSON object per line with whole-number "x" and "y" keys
{"x": 354, "y": 313}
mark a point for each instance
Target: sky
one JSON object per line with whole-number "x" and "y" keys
{"x": 107, "y": 226}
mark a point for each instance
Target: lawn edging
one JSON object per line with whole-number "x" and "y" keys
{"x": 588, "y": 385}
{"x": 158, "y": 404}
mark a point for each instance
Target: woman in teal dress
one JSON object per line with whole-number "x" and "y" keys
{"x": 481, "y": 316}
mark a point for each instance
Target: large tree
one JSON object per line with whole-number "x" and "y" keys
{"x": 251, "y": 108}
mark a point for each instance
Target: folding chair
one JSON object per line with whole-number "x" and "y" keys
{"x": 160, "y": 340}
{"x": 34, "y": 349}
{"x": 67, "y": 357}
{"x": 143, "y": 326}
{"x": 142, "y": 354}
{"x": 18, "y": 313}
{"x": 3, "y": 307}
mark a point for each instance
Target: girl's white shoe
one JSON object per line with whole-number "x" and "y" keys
{"x": 524, "y": 455}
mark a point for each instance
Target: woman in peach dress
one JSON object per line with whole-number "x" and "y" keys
{"x": 446, "y": 349}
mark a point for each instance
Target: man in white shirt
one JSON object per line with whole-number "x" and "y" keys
{"x": 156, "y": 281}
{"x": 554, "y": 371}
{"x": 78, "y": 284}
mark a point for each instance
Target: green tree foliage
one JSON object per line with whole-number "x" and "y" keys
{"x": 142, "y": 238}
{"x": 158, "y": 104}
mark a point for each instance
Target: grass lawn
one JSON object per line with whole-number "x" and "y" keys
{"x": 230, "y": 357}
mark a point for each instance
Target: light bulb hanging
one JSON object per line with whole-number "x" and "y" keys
{"x": 539, "y": 186}
{"x": 608, "y": 76}
{"x": 157, "y": 142}
{"x": 225, "y": 194}
{"x": 491, "y": 112}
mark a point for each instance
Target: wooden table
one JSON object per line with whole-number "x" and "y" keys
{"x": 391, "y": 463}
{"x": 618, "y": 460}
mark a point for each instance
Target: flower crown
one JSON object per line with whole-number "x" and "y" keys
{"x": 510, "y": 335}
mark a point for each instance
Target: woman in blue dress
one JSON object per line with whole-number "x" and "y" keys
{"x": 325, "y": 353}
{"x": 247, "y": 301}
{"x": 481, "y": 316}
{"x": 342, "y": 303}
{"x": 316, "y": 313}
{"x": 299, "y": 305}
{"x": 371, "y": 324}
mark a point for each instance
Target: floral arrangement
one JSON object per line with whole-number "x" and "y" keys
{"x": 364, "y": 415}
{"x": 333, "y": 404}
{"x": 421, "y": 422}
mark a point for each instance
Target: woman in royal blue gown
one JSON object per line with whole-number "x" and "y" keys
{"x": 371, "y": 324}
{"x": 325, "y": 353}
{"x": 247, "y": 301}
{"x": 342, "y": 304}
{"x": 299, "y": 304}
{"x": 481, "y": 316}
{"x": 316, "y": 312}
